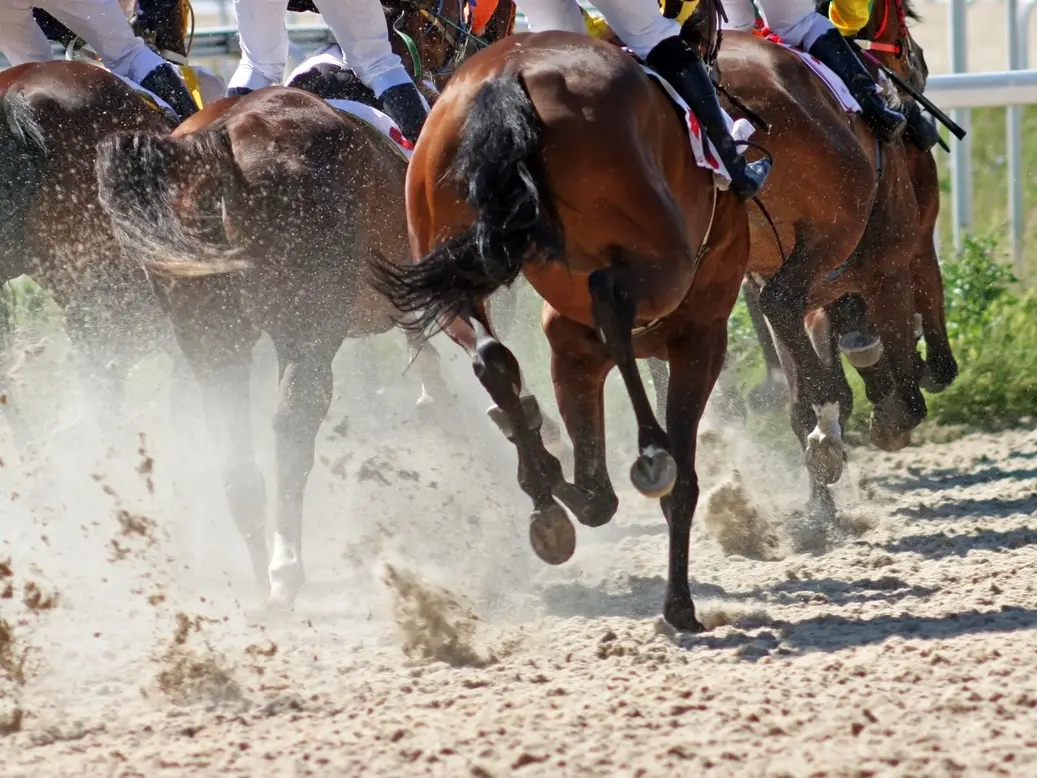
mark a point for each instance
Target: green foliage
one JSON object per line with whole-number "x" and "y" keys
{"x": 976, "y": 287}
{"x": 993, "y": 332}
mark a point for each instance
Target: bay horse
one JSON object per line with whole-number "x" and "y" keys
{"x": 256, "y": 215}
{"x": 554, "y": 156}
{"x": 844, "y": 218}
{"x": 889, "y": 41}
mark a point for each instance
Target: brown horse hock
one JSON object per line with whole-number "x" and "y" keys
{"x": 613, "y": 223}
{"x": 204, "y": 211}
{"x": 52, "y": 116}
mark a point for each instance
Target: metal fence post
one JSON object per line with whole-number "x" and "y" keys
{"x": 961, "y": 152}
{"x": 1014, "y": 143}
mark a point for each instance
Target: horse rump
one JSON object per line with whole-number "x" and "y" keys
{"x": 23, "y": 159}
{"x": 500, "y": 168}
{"x": 165, "y": 198}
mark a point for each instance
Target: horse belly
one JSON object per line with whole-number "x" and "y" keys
{"x": 565, "y": 290}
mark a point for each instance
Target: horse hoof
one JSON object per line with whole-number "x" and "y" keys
{"x": 825, "y": 458}
{"x": 888, "y": 440}
{"x": 861, "y": 350}
{"x": 552, "y": 535}
{"x": 930, "y": 383}
{"x": 425, "y": 402}
{"x": 654, "y": 473}
{"x": 681, "y": 616}
{"x": 286, "y": 579}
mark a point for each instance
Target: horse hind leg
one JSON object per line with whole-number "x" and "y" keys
{"x": 217, "y": 341}
{"x": 816, "y": 393}
{"x": 773, "y": 392}
{"x": 654, "y": 472}
{"x": 518, "y": 416}
{"x": 306, "y": 387}
{"x": 426, "y": 361}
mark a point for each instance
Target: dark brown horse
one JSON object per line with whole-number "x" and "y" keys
{"x": 257, "y": 215}
{"x": 556, "y": 157}
{"x": 847, "y": 221}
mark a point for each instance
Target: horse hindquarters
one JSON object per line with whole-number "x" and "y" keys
{"x": 166, "y": 198}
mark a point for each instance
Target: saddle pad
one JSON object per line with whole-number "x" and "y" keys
{"x": 375, "y": 118}
{"x": 331, "y": 54}
{"x": 835, "y": 84}
{"x": 703, "y": 148}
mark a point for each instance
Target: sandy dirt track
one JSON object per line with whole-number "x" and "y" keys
{"x": 431, "y": 642}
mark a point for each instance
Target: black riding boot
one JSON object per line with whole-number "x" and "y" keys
{"x": 404, "y": 106}
{"x": 920, "y": 130}
{"x": 684, "y": 69}
{"x": 165, "y": 83}
{"x": 833, "y": 50}
{"x": 238, "y": 91}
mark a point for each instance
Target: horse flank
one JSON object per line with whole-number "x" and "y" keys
{"x": 500, "y": 165}
{"x": 141, "y": 182}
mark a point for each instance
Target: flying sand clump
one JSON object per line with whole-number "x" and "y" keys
{"x": 738, "y": 525}
{"x": 16, "y": 654}
{"x": 433, "y": 623}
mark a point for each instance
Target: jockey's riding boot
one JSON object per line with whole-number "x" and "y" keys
{"x": 685, "y": 71}
{"x": 920, "y": 130}
{"x": 238, "y": 91}
{"x": 165, "y": 83}
{"x": 833, "y": 50}
{"x": 404, "y": 106}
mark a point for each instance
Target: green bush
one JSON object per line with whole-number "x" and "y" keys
{"x": 993, "y": 330}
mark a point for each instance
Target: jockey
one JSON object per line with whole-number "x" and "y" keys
{"x": 798, "y": 24}
{"x": 656, "y": 40}
{"x": 850, "y": 17}
{"x": 360, "y": 29}
{"x": 103, "y": 25}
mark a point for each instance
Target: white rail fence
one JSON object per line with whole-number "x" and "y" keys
{"x": 957, "y": 92}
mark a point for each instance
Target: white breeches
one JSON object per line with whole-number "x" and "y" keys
{"x": 638, "y": 23}
{"x": 794, "y": 21}
{"x": 101, "y": 23}
{"x": 358, "y": 26}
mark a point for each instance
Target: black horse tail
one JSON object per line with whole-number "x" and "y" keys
{"x": 23, "y": 162}
{"x": 501, "y": 170}
{"x": 166, "y": 197}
